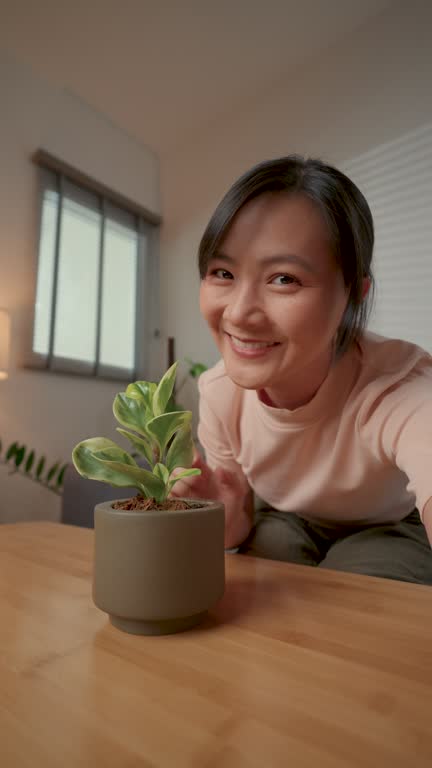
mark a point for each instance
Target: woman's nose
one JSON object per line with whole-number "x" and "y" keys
{"x": 244, "y": 307}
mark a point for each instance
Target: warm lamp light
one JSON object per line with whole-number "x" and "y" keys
{"x": 4, "y": 343}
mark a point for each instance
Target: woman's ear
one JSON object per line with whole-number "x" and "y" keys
{"x": 366, "y": 286}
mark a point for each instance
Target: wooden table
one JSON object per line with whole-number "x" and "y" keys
{"x": 295, "y": 667}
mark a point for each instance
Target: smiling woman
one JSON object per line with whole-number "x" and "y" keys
{"x": 327, "y": 423}
{"x": 290, "y": 305}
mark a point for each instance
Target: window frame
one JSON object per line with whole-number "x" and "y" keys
{"x": 147, "y": 276}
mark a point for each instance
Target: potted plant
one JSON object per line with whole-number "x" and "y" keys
{"x": 159, "y": 562}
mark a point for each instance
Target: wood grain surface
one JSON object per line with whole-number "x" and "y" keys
{"x": 294, "y": 667}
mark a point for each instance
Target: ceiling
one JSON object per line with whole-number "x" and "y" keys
{"x": 163, "y": 70}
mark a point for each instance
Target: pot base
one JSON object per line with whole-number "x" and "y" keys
{"x": 158, "y": 627}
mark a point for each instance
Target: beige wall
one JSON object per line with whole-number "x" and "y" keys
{"x": 369, "y": 89}
{"x": 51, "y": 412}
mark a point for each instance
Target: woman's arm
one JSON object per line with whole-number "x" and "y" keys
{"x": 400, "y": 430}
{"x": 222, "y": 476}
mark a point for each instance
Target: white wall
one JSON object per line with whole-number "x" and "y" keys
{"x": 51, "y": 412}
{"x": 372, "y": 87}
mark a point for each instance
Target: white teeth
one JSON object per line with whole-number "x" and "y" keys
{"x": 251, "y": 344}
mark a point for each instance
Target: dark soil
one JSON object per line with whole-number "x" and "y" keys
{"x": 140, "y": 503}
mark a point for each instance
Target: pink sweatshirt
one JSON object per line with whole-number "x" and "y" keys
{"x": 359, "y": 451}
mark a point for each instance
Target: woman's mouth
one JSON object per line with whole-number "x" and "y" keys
{"x": 251, "y": 347}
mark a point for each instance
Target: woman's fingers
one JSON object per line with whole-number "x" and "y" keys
{"x": 218, "y": 484}
{"x": 198, "y": 486}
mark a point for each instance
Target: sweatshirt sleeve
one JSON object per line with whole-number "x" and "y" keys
{"x": 401, "y": 426}
{"x": 213, "y": 435}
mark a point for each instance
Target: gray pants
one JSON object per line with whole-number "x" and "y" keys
{"x": 398, "y": 551}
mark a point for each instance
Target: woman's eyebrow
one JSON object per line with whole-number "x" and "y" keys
{"x": 278, "y": 258}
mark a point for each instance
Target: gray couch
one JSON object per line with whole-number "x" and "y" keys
{"x": 80, "y": 497}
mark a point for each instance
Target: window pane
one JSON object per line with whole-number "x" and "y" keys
{"x": 45, "y": 276}
{"x": 117, "y": 344}
{"x": 76, "y": 309}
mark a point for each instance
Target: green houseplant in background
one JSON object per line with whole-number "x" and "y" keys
{"x": 159, "y": 562}
{"x": 24, "y": 461}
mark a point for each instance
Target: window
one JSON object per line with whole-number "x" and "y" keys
{"x": 396, "y": 179}
{"x": 96, "y": 289}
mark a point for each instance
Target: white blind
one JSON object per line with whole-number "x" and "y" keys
{"x": 396, "y": 179}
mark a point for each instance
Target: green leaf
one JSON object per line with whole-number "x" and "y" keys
{"x": 40, "y": 467}
{"x": 186, "y": 473}
{"x": 29, "y": 462}
{"x": 173, "y": 405}
{"x": 60, "y": 476}
{"x": 142, "y": 446}
{"x": 104, "y": 450}
{"x": 161, "y": 472}
{"x": 93, "y": 459}
{"x": 83, "y": 454}
{"x": 11, "y": 451}
{"x": 164, "y": 390}
{"x": 51, "y": 472}
{"x": 180, "y": 453}
{"x": 146, "y": 482}
{"x": 162, "y": 428}
{"x": 19, "y": 455}
{"x": 111, "y": 452}
{"x": 143, "y": 389}
{"x": 130, "y": 412}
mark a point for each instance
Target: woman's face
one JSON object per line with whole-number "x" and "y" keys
{"x": 273, "y": 296}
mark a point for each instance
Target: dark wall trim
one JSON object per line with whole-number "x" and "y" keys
{"x": 44, "y": 159}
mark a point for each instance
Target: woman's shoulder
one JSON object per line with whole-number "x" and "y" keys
{"x": 217, "y": 371}
{"x": 394, "y": 373}
{"x": 221, "y": 404}
{"x": 214, "y": 378}
{"x": 385, "y": 356}
{"x": 395, "y": 402}
{"x": 215, "y": 386}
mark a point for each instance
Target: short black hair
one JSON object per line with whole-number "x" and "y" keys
{"x": 344, "y": 209}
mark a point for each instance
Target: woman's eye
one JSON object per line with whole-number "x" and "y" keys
{"x": 285, "y": 280}
{"x": 222, "y": 274}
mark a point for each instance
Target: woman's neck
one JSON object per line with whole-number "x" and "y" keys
{"x": 300, "y": 392}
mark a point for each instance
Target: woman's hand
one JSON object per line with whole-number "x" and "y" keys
{"x": 231, "y": 488}
{"x": 203, "y": 486}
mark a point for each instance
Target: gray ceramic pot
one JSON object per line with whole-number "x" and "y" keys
{"x": 158, "y": 572}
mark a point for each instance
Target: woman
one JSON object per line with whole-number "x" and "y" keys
{"x": 329, "y": 424}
